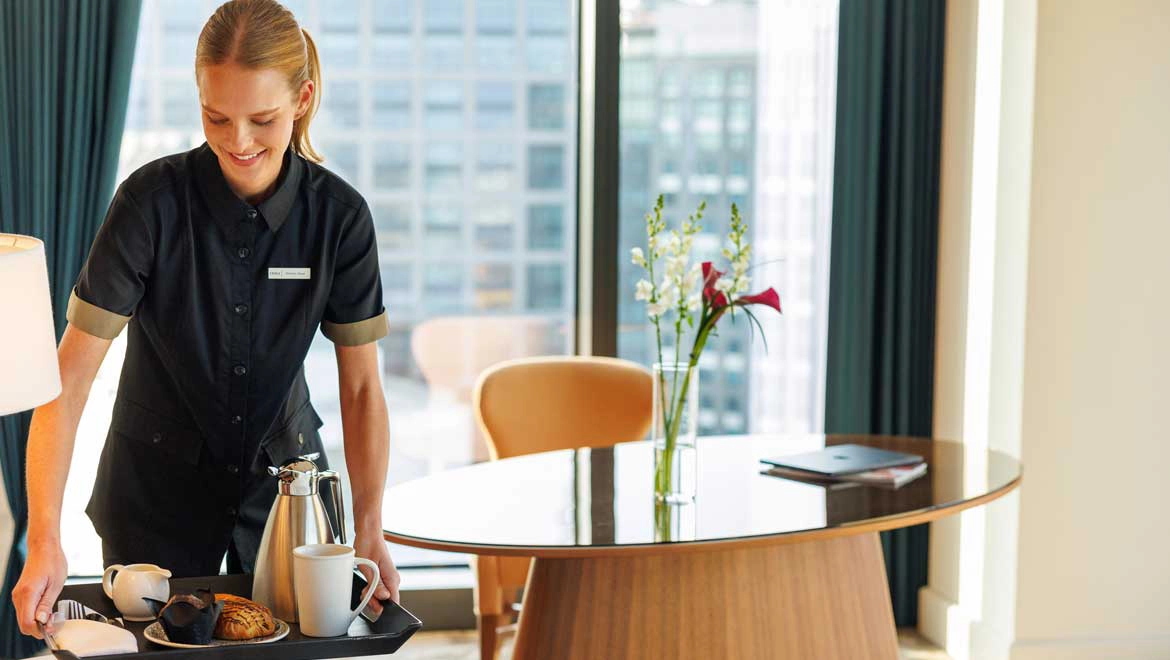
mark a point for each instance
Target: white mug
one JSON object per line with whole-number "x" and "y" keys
{"x": 323, "y": 584}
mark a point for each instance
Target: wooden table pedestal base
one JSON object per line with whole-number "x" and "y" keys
{"x": 819, "y": 599}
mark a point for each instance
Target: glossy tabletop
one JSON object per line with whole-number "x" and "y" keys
{"x": 591, "y": 502}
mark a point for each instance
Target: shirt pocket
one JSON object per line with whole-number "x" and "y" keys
{"x": 298, "y": 435}
{"x": 167, "y": 437}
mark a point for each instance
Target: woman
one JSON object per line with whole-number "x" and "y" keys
{"x": 222, "y": 261}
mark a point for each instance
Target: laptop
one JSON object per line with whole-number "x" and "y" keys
{"x": 843, "y": 459}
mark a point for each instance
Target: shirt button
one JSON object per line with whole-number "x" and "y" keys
{"x": 156, "y": 438}
{"x": 239, "y": 370}
{"x": 237, "y": 419}
{"x": 243, "y": 252}
{"x": 241, "y": 309}
{"x": 251, "y": 214}
{"x": 233, "y": 468}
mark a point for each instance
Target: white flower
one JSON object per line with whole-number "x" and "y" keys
{"x": 668, "y": 293}
{"x": 693, "y": 277}
{"x": 676, "y": 266}
{"x": 740, "y": 265}
{"x": 655, "y": 310}
{"x": 741, "y": 283}
{"x": 695, "y": 302}
{"x": 724, "y": 284}
{"x": 637, "y": 257}
{"x": 673, "y": 244}
{"x": 643, "y": 289}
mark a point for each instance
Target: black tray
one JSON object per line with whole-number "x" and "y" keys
{"x": 385, "y": 635}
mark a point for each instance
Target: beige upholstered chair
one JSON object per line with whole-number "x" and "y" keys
{"x": 541, "y": 404}
{"x": 451, "y": 352}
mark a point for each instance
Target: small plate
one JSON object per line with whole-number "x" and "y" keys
{"x": 155, "y": 633}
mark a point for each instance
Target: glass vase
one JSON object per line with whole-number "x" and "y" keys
{"x": 676, "y": 419}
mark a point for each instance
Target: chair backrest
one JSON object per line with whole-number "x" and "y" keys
{"x": 452, "y": 351}
{"x": 545, "y": 403}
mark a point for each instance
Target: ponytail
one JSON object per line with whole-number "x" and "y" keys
{"x": 300, "y": 132}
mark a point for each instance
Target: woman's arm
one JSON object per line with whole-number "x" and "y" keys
{"x": 366, "y": 427}
{"x": 50, "y": 450}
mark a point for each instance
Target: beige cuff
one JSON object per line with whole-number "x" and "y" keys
{"x": 359, "y": 332}
{"x": 94, "y": 320}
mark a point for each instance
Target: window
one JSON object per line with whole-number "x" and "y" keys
{"x": 341, "y": 156}
{"x": 341, "y": 104}
{"x": 494, "y": 225}
{"x": 546, "y": 167}
{"x": 391, "y": 105}
{"x": 393, "y": 224}
{"x": 444, "y": 106}
{"x": 495, "y": 17}
{"x": 180, "y": 105}
{"x": 393, "y": 16}
{"x": 179, "y": 19}
{"x": 494, "y": 167}
{"x": 494, "y": 106}
{"x": 546, "y": 227}
{"x": 392, "y": 166}
{"x": 548, "y": 42}
{"x": 443, "y": 16}
{"x": 443, "y": 287}
{"x": 442, "y": 228}
{"x": 546, "y": 106}
{"x": 494, "y": 52}
{"x": 710, "y": 67}
{"x": 493, "y": 286}
{"x": 340, "y": 43}
{"x": 546, "y": 284}
{"x": 444, "y": 171}
{"x": 417, "y": 93}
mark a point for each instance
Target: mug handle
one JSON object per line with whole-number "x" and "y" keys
{"x": 108, "y": 579}
{"x": 373, "y": 585}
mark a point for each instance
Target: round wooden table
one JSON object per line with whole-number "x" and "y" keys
{"x": 758, "y": 567}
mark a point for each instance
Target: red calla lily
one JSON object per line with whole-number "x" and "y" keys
{"x": 712, "y": 295}
{"x": 768, "y": 297}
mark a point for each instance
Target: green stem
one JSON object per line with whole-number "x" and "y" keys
{"x": 663, "y": 473}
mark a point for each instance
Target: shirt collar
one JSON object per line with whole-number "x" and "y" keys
{"x": 229, "y": 209}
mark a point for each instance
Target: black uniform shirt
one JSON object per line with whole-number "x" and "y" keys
{"x": 222, "y": 300}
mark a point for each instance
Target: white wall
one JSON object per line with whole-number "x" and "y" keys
{"x": 1094, "y": 550}
{"x": 1077, "y": 347}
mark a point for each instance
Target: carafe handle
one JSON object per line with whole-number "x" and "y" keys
{"x": 338, "y": 501}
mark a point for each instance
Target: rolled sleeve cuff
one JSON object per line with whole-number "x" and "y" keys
{"x": 358, "y": 332}
{"x": 94, "y": 320}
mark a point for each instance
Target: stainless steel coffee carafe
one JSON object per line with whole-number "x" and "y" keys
{"x": 297, "y": 518}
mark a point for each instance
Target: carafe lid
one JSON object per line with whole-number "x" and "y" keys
{"x": 298, "y": 475}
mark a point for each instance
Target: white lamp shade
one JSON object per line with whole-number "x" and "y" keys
{"x": 29, "y": 375}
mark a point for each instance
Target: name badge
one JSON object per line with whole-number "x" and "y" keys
{"x": 288, "y": 273}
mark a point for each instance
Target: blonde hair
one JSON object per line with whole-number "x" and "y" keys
{"x": 263, "y": 34}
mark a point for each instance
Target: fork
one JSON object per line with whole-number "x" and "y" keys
{"x": 52, "y": 641}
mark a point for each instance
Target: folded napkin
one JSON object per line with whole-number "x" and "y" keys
{"x": 87, "y": 633}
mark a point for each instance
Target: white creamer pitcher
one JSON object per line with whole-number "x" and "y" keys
{"x": 127, "y": 585}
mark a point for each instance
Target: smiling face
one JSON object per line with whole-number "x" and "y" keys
{"x": 248, "y": 117}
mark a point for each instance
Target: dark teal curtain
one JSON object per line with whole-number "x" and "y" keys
{"x": 63, "y": 90}
{"x": 885, "y": 241}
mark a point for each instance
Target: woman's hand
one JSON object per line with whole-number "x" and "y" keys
{"x": 39, "y": 585}
{"x": 372, "y": 546}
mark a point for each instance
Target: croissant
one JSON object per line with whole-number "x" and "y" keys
{"x": 243, "y": 619}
